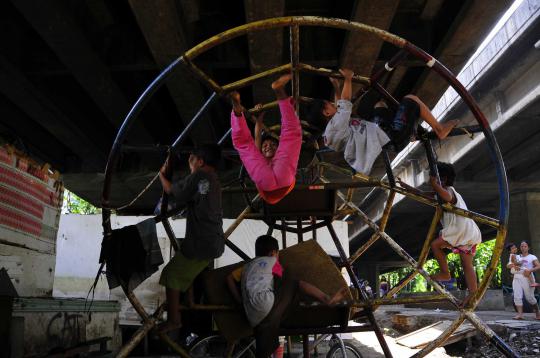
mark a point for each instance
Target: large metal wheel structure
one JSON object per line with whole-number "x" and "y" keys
{"x": 294, "y": 25}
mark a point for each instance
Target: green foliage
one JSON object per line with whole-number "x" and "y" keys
{"x": 75, "y": 205}
{"x": 481, "y": 262}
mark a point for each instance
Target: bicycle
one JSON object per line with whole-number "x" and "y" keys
{"x": 216, "y": 346}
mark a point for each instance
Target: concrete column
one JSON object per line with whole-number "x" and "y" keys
{"x": 523, "y": 224}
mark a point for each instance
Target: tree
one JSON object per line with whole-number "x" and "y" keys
{"x": 73, "y": 204}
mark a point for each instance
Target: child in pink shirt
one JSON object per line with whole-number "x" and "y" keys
{"x": 273, "y": 167}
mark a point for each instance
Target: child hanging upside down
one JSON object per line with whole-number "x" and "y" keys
{"x": 460, "y": 234}
{"x": 361, "y": 140}
{"x": 273, "y": 167}
{"x": 267, "y": 293}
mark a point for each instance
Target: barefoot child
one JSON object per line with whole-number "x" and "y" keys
{"x": 267, "y": 293}
{"x": 200, "y": 193}
{"x": 459, "y": 233}
{"x": 273, "y": 167}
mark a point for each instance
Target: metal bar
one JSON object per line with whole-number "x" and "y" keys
{"x": 420, "y": 198}
{"x": 375, "y": 236}
{"x": 388, "y": 167}
{"x": 283, "y": 234}
{"x": 423, "y": 254}
{"x": 305, "y": 345}
{"x": 271, "y": 227}
{"x": 201, "y": 75}
{"x": 194, "y": 120}
{"x": 239, "y": 219}
{"x": 323, "y": 330}
{"x": 401, "y": 252}
{"x": 299, "y": 228}
{"x": 225, "y": 136}
{"x": 295, "y": 60}
{"x": 289, "y": 21}
{"x": 318, "y": 186}
{"x": 114, "y": 154}
{"x": 501, "y": 345}
{"x": 356, "y": 284}
{"x": 496, "y": 158}
{"x": 149, "y": 323}
{"x": 314, "y": 227}
{"x": 329, "y": 73}
{"x": 389, "y": 66}
{"x": 251, "y": 79}
{"x": 391, "y": 100}
{"x": 432, "y": 162}
{"x": 138, "y": 336}
{"x": 170, "y": 233}
{"x": 237, "y": 250}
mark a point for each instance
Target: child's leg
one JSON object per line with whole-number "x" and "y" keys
{"x": 256, "y": 165}
{"x": 313, "y": 291}
{"x": 174, "y": 320}
{"x": 518, "y": 296}
{"x": 441, "y": 129}
{"x": 437, "y": 247}
{"x": 285, "y": 160}
{"x": 470, "y": 274}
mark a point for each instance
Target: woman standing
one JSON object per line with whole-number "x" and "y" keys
{"x": 521, "y": 284}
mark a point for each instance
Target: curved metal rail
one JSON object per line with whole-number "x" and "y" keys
{"x": 294, "y": 23}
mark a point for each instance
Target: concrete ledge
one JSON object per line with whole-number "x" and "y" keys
{"x": 492, "y": 301}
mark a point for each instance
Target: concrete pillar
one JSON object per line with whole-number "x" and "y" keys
{"x": 523, "y": 224}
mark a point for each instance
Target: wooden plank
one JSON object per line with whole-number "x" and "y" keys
{"x": 420, "y": 338}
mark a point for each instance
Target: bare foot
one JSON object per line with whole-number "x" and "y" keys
{"x": 281, "y": 81}
{"x": 441, "y": 276}
{"x": 518, "y": 317}
{"x": 535, "y": 284}
{"x": 166, "y": 327}
{"x": 446, "y": 128}
{"x": 338, "y": 297}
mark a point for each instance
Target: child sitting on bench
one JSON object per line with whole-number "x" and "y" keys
{"x": 267, "y": 293}
{"x": 273, "y": 166}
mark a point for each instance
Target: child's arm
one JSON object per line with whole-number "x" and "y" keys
{"x": 444, "y": 194}
{"x": 346, "y": 92}
{"x": 259, "y": 126}
{"x": 231, "y": 283}
{"x": 336, "y": 87}
{"x": 427, "y": 194}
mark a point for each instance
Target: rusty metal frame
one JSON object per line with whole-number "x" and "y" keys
{"x": 294, "y": 23}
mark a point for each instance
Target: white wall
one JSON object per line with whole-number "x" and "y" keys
{"x": 79, "y": 244}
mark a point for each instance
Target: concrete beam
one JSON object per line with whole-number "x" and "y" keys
{"x": 262, "y": 56}
{"x": 19, "y": 90}
{"x": 57, "y": 27}
{"x": 164, "y": 34}
{"x": 470, "y": 27}
{"x": 360, "y": 50}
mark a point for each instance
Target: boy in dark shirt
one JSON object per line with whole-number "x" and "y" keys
{"x": 200, "y": 193}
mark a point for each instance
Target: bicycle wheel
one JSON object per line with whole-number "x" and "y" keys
{"x": 350, "y": 351}
{"x": 216, "y": 346}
